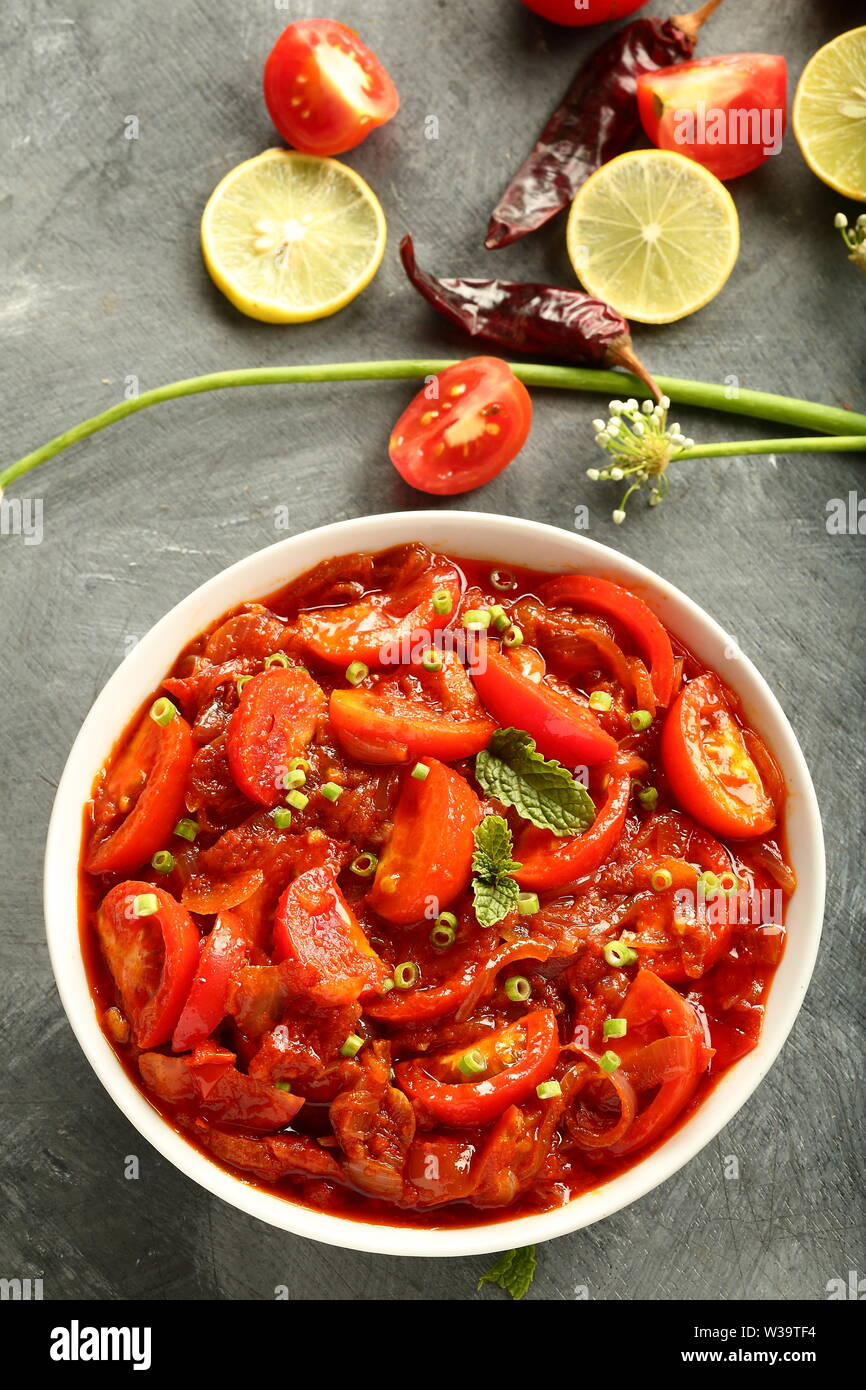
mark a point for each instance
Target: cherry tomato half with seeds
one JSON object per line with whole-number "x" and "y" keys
{"x": 314, "y": 925}
{"x": 274, "y": 721}
{"x": 463, "y": 428}
{"x": 324, "y": 89}
{"x": 152, "y": 956}
{"x": 572, "y": 12}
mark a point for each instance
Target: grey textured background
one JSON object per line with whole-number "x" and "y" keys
{"x": 103, "y": 282}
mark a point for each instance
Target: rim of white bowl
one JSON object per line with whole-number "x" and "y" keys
{"x": 481, "y": 535}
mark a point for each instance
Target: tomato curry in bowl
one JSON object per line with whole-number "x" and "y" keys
{"x": 432, "y": 892}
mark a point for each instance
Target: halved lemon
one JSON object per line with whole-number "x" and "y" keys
{"x": 654, "y": 234}
{"x": 829, "y": 114}
{"x": 290, "y": 237}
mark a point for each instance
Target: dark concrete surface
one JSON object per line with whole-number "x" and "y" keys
{"x": 103, "y": 283}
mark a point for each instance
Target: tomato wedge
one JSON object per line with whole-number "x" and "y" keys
{"x": 324, "y": 89}
{"x": 152, "y": 958}
{"x": 222, "y": 953}
{"x": 219, "y": 1092}
{"x": 583, "y": 11}
{"x": 274, "y": 721}
{"x": 561, "y": 727}
{"x": 709, "y": 767}
{"x": 460, "y": 433}
{"x": 628, "y": 612}
{"x": 476, "y": 1102}
{"x": 550, "y": 861}
{"x": 142, "y": 798}
{"x": 428, "y": 857}
{"x": 315, "y": 925}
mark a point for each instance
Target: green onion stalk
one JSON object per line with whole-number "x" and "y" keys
{"x": 832, "y": 429}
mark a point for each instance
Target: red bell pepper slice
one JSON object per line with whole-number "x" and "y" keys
{"x": 152, "y": 959}
{"x": 231, "y": 1099}
{"x": 561, "y": 727}
{"x": 478, "y": 1102}
{"x": 550, "y": 861}
{"x": 223, "y": 952}
{"x": 630, "y": 613}
{"x": 141, "y": 799}
{"x": 274, "y": 721}
{"x": 315, "y": 925}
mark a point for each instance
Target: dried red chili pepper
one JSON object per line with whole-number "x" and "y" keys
{"x": 545, "y": 319}
{"x": 594, "y": 121}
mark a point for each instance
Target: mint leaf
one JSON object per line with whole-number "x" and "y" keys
{"x": 539, "y": 789}
{"x": 492, "y": 866}
{"x": 514, "y": 1271}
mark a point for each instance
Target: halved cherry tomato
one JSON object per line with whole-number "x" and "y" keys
{"x": 628, "y": 612}
{"x": 231, "y": 1098}
{"x": 462, "y": 431}
{"x": 726, "y": 113}
{"x": 428, "y": 856}
{"x": 324, "y": 89}
{"x": 315, "y": 925}
{"x": 550, "y": 861}
{"x": 477, "y": 1102}
{"x": 222, "y": 953}
{"x": 561, "y": 727}
{"x": 572, "y": 12}
{"x": 152, "y": 959}
{"x": 142, "y": 798}
{"x": 709, "y": 767}
{"x": 382, "y": 628}
{"x": 274, "y": 721}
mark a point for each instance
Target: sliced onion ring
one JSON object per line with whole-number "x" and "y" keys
{"x": 582, "y": 1123}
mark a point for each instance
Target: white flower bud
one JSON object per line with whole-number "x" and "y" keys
{"x": 840, "y": 220}
{"x": 616, "y": 474}
{"x": 592, "y": 473}
{"x": 598, "y": 426}
{"x": 615, "y": 407}
{"x": 665, "y": 403}
{"x": 638, "y": 428}
{"x": 647, "y": 407}
{"x": 618, "y": 517}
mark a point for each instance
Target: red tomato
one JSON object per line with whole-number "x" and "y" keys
{"x": 583, "y": 11}
{"x": 274, "y": 721}
{"x": 325, "y": 91}
{"x": 463, "y": 428}
{"x": 220, "y": 1093}
{"x": 152, "y": 959}
{"x": 550, "y": 861}
{"x": 561, "y": 727}
{"x": 628, "y": 612}
{"x": 477, "y": 1102}
{"x": 315, "y": 925}
{"x": 383, "y": 626}
{"x": 142, "y": 798}
{"x": 222, "y": 953}
{"x": 727, "y": 113}
{"x": 709, "y": 767}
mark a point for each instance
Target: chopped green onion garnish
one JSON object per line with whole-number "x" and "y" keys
{"x": 476, "y": 617}
{"x": 648, "y": 797}
{"x": 707, "y": 882}
{"x": 442, "y": 936}
{"x": 528, "y": 903}
{"x": 386, "y": 987}
{"x": 357, "y": 672}
{"x": 432, "y": 660}
{"x": 331, "y": 790}
{"x": 300, "y": 765}
{"x": 728, "y": 883}
{"x": 406, "y": 974}
{"x": 352, "y": 1046}
{"x": 276, "y": 659}
{"x": 512, "y": 637}
{"x": 162, "y": 712}
{"x": 145, "y": 905}
{"x": 241, "y": 682}
{"x": 619, "y": 954}
{"x": 283, "y": 1085}
{"x": 163, "y": 861}
{"x": 661, "y": 879}
{"x": 186, "y": 829}
{"x": 420, "y": 772}
{"x": 282, "y": 817}
{"x": 297, "y": 799}
{"x": 640, "y": 719}
{"x": 294, "y": 778}
{"x": 472, "y": 1063}
{"x": 442, "y": 601}
{"x": 601, "y": 700}
{"x": 615, "y": 1027}
{"x": 608, "y": 1061}
{"x": 364, "y": 865}
{"x": 548, "y": 1089}
{"x": 518, "y": 988}
{"x": 502, "y": 580}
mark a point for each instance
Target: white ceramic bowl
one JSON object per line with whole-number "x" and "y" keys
{"x": 484, "y": 536}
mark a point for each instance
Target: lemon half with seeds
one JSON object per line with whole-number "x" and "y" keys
{"x": 829, "y": 114}
{"x": 290, "y": 237}
{"x": 654, "y": 234}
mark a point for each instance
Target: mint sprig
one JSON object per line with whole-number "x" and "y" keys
{"x": 495, "y": 891}
{"x": 514, "y": 1271}
{"x": 541, "y": 790}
